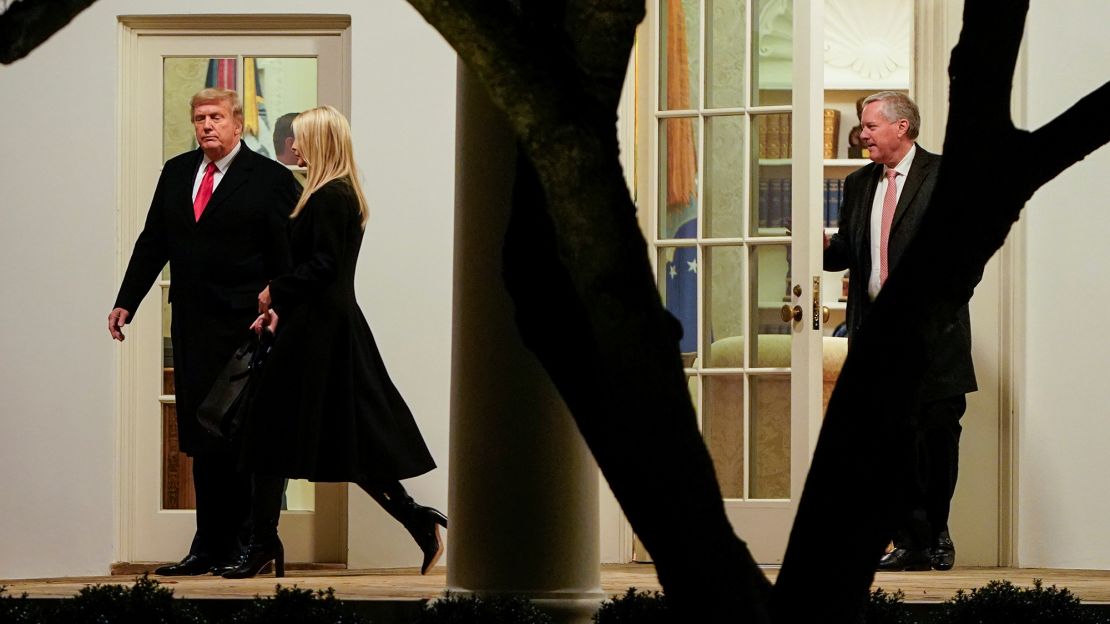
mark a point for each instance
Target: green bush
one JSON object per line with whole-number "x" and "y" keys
{"x": 651, "y": 608}
{"x": 635, "y": 608}
{"x": 17, "y": 610}
{"x": 147, "y": 602}
{"x": 884, "y": 608}
{"x": 290, "y": 605}
{"x": 1001, "y": 602}
{"x": 475, "y": 609}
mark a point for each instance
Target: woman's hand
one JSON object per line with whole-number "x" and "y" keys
{"x": 264, "y": 300}
{"x": 267, "y": 320}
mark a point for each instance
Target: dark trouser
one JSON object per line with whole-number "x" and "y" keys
{"x": 223, "y": 507}
{"x": 931, "y": 471}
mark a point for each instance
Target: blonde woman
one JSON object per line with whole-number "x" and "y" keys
{"x": 324, "y": 408}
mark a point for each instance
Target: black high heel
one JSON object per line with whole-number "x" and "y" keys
{"x": 258, "y": 559}
{"x": 425, "y": 530}
{"x": 421, "y": 522}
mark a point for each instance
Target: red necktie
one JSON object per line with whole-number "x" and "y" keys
{"x": 890, "y": 202}
{"x": 205, "y": 192}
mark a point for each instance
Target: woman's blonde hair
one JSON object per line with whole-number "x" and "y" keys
{"x": 323, "y": 139}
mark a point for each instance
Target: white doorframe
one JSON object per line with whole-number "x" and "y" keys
{"x": 616, "y": 532}
{"x": 136, "y": 373}
{"x": 936, "y": 29}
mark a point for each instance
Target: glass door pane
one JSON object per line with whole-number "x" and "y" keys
{"x": 726, "y": 42}
{"x": 679, "y": 76}
{"x": 723, "y": 430}
{"x": 678, "y": 178}
{"x": 724, "y": 175}
{"x": 274, "y": 91}
{"x": 271, "y": 90}
{"x": 770, "y": 290}
{"x": 769, "y": 470}
{"x": 678, "y": 288}
{"x": 772, "y": 53}
{"x": 725, "y": 203}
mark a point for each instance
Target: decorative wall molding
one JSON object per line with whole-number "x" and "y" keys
{"x": 776, "y": 30}
{"x": 305, "y": 23}
{"x": 868, "y": 43}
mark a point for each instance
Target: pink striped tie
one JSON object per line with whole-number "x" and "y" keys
{"x": 890, "y": 202}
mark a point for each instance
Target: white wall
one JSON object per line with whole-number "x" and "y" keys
{"x": 58, "y": 274}
{"x": 1064, "y": 424}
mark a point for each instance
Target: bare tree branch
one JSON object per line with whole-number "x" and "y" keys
{"x": 1056, "y": 146}
{"x": 28, "y": 23}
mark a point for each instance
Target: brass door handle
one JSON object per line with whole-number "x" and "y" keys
{"x": 825, "y": 314}
{"x": 791, "y": 314}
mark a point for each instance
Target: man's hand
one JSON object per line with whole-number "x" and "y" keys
{"x": 826, "y": 240}
{"x": 117, "y": 318}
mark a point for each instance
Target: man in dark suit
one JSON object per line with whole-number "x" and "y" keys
{"x": 219, "y": 217}
{"x": 882, "y": 207}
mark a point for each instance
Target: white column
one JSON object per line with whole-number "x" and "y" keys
{"x": 523, "y": 487}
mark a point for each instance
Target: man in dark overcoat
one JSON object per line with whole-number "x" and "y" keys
{"x": 220, "y": 217}
{"x": 883, "y": 205}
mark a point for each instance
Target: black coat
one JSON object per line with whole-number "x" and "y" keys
{"x": 324, "y": 407}
{"x": 951, "y": 372}
{"x": 218, "y": 265}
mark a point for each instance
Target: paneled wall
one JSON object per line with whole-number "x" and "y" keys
{"x": 1065, "y": 414}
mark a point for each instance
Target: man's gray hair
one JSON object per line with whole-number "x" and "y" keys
{"x": 897, "y": 105}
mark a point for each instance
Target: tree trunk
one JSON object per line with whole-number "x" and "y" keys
{"x": 989, "y": 170}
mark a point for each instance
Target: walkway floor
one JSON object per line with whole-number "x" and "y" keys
{"x": 393, "y": 584}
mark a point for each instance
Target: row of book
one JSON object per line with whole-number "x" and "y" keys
{"x": 773, "y": 134}
{"x": 775, "y": 202}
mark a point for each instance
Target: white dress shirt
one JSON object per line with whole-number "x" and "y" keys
{"x": 221, "y": 168}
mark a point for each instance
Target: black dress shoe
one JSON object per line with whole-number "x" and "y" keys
{"x": 258, "y": 559}
{"x": 943, "y": 555}
{"x": 218, "y": 569}
{"x": 191, "y": 565}
{"x": 901, "y": 559}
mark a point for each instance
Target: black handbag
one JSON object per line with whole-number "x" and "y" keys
{"x": 222, "y": 411}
